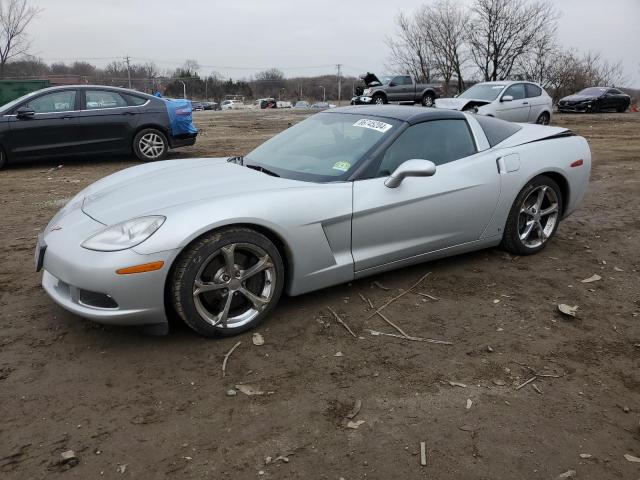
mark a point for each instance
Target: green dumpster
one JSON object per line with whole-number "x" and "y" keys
{"x": 12, "y": 89}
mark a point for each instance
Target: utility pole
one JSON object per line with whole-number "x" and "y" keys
{"x": 339, "y": 67}
{"x": 128, "y": 60}
{"x": 324, "y": 93}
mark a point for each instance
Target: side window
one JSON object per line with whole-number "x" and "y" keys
{"x": 614, "y": 92}
{"x": 516, "y": 91}
{"x": 406, "y": 80}
{"x": 440, "y": 141}
{"x": 135, "y": 100}
{"x": 399, "y": 80}
{"x": 64, "y": 101}
{"x": 533, "y": 90}
{"x": 104, "y": 99}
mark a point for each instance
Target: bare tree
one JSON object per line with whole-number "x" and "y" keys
{"x": 270, "y": 75}
{"x": 409, "y": 52}
{"x": 543, "y": 63}
{"x": 15, "y": 17}
{"x": 444, "y": 25}
{"x": 502, "y": 31}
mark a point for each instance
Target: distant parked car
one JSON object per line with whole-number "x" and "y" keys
{"x": 85, "y": 119}
{"x": 595, "y": 99}
{"x": 396, "y": 88}
{"x": 523, "y": 102}
{"x": 267, "y": 103}
{"x": 283, "y": 104}
{"x": 231, "y": 105}
{"x": 301, "y": 105}
{"x": 320, "y": 106}
{"x": 197, "y": 106}
{"x": 210, "y": 106}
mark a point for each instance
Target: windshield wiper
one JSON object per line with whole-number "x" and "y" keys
{"x": 262, "y": 169}
{"x": 236, "y": 160}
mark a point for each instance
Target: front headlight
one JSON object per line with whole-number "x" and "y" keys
{"x": 366, "y": 92}
{"x": 122, "y": 236}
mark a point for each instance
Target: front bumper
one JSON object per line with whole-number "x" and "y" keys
{"x": 361, "y": 100}
{"x": 579, "y": 107}
{"x": 85, "y": 282}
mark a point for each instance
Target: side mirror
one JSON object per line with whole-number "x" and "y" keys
{"x": 25, "y": 112}
{"x": 410, "y": 168}
{"x": 507, "y": 98}
{"x": 392, "y": 84}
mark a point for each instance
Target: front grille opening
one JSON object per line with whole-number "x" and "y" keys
{"x": 96, "y": 300}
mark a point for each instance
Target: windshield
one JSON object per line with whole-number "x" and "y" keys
{"x": 324, "y": 147}
{"x": 13, "y": 103}
{"x": 483, "y": 91}
{"x": 592, "y": 91}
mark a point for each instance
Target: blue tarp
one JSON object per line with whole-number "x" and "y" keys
{"x": 180, "y": 118}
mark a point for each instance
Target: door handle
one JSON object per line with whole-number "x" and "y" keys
{"x": 525, "y": 103}
{"x": 130, "y": 113}
{"x": 67, "y": 117}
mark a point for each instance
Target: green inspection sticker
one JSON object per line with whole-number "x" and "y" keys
{"x": 342, "y": 166}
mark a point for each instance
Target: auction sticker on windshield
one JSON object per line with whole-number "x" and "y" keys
{"x": 373, "y": 125}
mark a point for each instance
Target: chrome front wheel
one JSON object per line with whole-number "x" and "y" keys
{"x": 234, "y": 285}
{"x": 227, "y": 281}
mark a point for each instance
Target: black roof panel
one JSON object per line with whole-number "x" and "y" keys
{"x": 399, "y": 112}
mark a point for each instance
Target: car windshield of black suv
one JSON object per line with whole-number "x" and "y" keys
{"x": 483, "y": 91}
{"x": 324, "y": 147}
{"x": 592, "y": 91}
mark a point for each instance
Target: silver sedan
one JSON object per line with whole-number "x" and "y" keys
{"x": 341, "y": 195}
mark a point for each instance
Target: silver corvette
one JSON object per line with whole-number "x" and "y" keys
{"x": 341, "y": 195}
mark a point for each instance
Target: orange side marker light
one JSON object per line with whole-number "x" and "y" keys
{"x": 145, "y": 267}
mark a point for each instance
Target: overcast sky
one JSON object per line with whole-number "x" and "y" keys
{"x": 240, "y": 37}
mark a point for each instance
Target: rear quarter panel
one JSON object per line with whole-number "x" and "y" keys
{"x": 537, "y": 158}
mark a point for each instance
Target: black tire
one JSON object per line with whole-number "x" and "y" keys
{"x": 511, "y": 239}
{"x": 543, "y": 119}
{"x": 379, "y": 99}
{"x": 202, "y": 259}
{"x": 150, "y": 144}
{"x": 428, "y": 100}
{"x": 622, "y": 108}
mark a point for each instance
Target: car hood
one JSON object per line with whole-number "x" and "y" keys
{"x": 151, "y": 188}
{"x": 458, "y": 103}
{"x": 371, "y": 80}
{"x": 578, "y": 98}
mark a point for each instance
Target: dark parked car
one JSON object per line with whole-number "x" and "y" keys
{"x": 211, "y": 105}
{"x": 595, "y": 99}
{"x": 197, "y": 106}
{"x": 268, "y": 103}
{"x": 81, "y": 120}
{"x": 395, "y": 88}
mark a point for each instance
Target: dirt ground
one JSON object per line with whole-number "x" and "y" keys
{"x": 134, "y": 406}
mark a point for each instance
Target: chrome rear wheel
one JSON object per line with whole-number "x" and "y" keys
{"x": 538, "y": 216}
{"x": 534, "y": 217}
